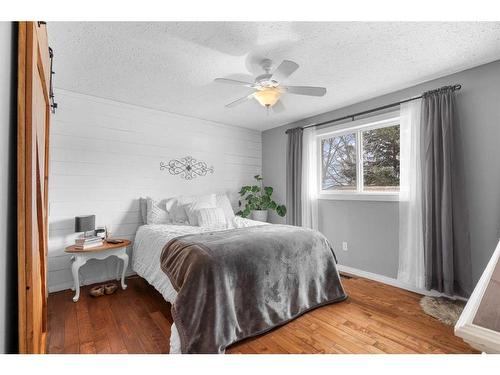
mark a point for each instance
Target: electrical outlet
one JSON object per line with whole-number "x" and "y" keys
{"x": 344, "y": 246}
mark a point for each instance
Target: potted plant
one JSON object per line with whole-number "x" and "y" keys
{"x": 258, "y": 201}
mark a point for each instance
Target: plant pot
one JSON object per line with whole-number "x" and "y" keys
{"x": 259, "y": 215}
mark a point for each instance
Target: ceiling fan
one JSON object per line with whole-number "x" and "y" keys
{"x": 268, "y": 87}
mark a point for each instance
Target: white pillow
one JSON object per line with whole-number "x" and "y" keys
{"x": 156, "y": 214}
{"x": 213, "y": 218}
{"x": 195, "y": 203}
{"x": 222, "y": 201}
{"x": 176, "y": 211}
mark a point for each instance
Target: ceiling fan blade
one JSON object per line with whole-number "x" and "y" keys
{"x": 233, "y": 82}
{"x": 239, "y": 101}
{"x": 278, "y": 107}
{"x": 284, "y": 70}
{"x": 306, "y": 90}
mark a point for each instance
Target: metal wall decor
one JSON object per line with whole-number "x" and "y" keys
{"x": 187, "y": 167}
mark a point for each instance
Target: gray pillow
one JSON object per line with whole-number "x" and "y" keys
{"x": 143, "y": 207}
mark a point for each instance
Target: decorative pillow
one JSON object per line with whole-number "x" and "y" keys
{"x": 175, "y": 211}
{"x": 222, "y": 201}
{"x": 195, "y": 203}
{"x": 213, "y": 218}
{"x": 155, "y": 213}
{"x": 169, "y": 203}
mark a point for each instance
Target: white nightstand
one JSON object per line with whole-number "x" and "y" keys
{"x": 80, "y": 257}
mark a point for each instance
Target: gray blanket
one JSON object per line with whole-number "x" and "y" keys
{"x": 239, "y": 283}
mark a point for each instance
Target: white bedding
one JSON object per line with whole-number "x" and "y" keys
{"x": 148, "y": 244}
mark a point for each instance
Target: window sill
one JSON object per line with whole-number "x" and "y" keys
{"x": 387, "y": 197}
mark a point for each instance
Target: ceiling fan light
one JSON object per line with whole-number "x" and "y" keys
{"x": 268, "y": 96}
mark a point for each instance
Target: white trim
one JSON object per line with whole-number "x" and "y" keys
{"x": 360, "y": 179}
{"x": 88, "y": 281}
{"x": 390, "y": 281}
{"x": 479, "y": 337}
{"x": 355, "y": 196}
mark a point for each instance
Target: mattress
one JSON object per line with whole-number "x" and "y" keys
{"x": 148, "y": 245}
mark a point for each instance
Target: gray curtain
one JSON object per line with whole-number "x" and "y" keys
{"x": 293, "y": 177}
{"x": 447, "y": 254}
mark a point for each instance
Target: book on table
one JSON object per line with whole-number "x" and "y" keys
{"x": 88, "y": 242}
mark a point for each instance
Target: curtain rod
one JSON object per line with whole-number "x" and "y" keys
{"x": 454, "y": 88}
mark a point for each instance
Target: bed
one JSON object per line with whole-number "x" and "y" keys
{"x": 233, "y": 301}
{"x": 148, "y": 245}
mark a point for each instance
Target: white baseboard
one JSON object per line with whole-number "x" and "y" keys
{"x": 89, "y": 281}
{"x": 389, "y": 281}
{"x": 343, "y": 269}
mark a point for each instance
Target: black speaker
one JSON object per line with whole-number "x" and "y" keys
{"x": 84, "y": 223}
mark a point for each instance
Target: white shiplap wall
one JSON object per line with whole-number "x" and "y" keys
{"x": 104, "y": 155}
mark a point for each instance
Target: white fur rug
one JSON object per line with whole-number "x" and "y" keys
{"x": 446, "y": 310}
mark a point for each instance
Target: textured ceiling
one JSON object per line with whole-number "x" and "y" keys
{"x": 170, "y": 66}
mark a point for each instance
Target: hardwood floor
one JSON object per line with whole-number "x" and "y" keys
{"x": 376, "y": 318}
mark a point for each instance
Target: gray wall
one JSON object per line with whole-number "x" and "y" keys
{"x": 8, "y": 252}
{"x": 371, "y": 228}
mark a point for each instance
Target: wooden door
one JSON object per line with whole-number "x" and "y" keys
{"x": 33, "y": 141}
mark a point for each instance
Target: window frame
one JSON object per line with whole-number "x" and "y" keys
{"x": 357, "y": 127}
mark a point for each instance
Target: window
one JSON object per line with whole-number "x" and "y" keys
{"x": 361, "y": 160}
{"x": 381, "y": 159}
{"x": 339, "y": 163}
